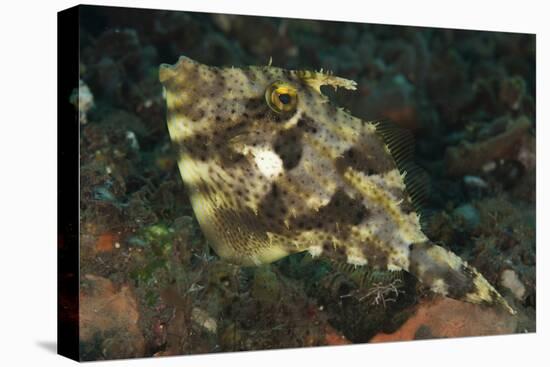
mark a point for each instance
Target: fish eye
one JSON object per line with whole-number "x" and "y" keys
{"x": 281, "y": 97}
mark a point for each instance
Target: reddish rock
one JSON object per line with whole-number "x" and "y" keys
{"x": 471, "y": 157}
{"x": 392, "y": 99}
{"x": 448, "y": 318}
{"x": 105, "y": 242}
{"x": 108, "y": 321}
{"x": 333, "y": 337}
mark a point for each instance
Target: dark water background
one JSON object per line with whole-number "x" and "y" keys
{"x": 467, "y": 96}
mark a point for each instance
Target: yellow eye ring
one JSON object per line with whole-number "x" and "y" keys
{"x": 281, "y": 97}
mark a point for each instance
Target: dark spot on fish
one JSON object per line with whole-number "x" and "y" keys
{"x": 363, "y": 159}
{"x": 272, "y": 206}
{"x": 359, "y": 215}
{"x": 254, "y": 103}
{"x": 204, "y": 189}
{"x": 333, "y": 252}
{"x": 307, "y": 124}
{"x": 341, "y": 209}
{"x": 459, "y": 282}
{"x": 406, "y": 204}
{"x": 274, "y": 191}
{"x": 288, "y": 146}
{"x": 376, "y": 256}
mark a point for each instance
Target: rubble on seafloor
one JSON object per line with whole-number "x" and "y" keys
{"x": 150, "y": 283}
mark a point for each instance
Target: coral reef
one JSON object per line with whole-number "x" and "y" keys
{"x": 468, "y": 157}
{"x": 469, "y": 98}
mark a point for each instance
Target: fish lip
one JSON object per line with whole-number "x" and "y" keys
{"x": 168, "y": 71}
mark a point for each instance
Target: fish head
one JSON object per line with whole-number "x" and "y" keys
{"x": 255, "y": 102}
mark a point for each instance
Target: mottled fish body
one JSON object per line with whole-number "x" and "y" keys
{"x": 273, "y": 168}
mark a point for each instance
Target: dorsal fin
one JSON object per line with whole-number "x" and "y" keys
{"x": 400, "y": 142}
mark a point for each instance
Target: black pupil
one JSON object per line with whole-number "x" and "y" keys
{"x": 284, "y": 98}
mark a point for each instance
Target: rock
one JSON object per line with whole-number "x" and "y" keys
{"x": 510, "y": 280}
{"x": 266, "y": 287}
{"x": 512, "y": 91}
{"x": 203, "y": 319}
{"x": 475, "y": 182}
{"x": 83, "y": 99}
{"x": 469, "y": 215}
{"x": 449, "y": 318}
{"x": 108, "y": 321}
{"x": 471, "y": 157}
{"x": 334, "y": 337}
{"x": 106, "y": 242}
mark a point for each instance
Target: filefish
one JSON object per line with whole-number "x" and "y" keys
{"x": 274, "y": 168}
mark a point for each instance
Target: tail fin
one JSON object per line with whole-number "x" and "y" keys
{"x": 447, "y": 274}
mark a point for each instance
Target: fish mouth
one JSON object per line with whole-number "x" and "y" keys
{"x": 168, "y": 73}
{"x": 184, "y": 84}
